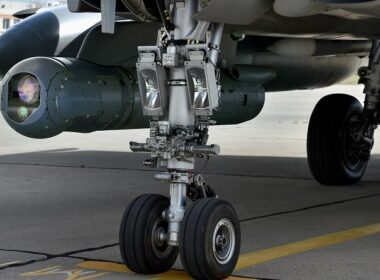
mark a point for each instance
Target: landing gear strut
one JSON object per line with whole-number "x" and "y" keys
{"x": 341, "y": 131}
{"x": 179, "y": 90}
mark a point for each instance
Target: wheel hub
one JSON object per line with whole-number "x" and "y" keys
{"x": 221, "y": 241}
{"x": 224, "y": 241}
{"x": 356, "y": 149}
{"x": 159, "y": 239}
{"x": 160, "y": 236}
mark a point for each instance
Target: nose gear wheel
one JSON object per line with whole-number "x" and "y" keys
{"x": 142, "y": 243}
{"x": 210, "y": 239}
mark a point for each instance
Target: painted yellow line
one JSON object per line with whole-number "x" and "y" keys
{"x": 182, "y": 275}
{"x": 70, "y": 274}
{"x": 9, "y": 263}
{"x": 266, "y": 255}
{"x": 104, "y": 266}
{"x": 42, "y": 271}
{"x": 120, "y": 268}
{"x": 77, "y": 276}
{"x": 258, "y": 257}
{"x": 173, "y": 275}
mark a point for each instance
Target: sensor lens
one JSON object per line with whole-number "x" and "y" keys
{"x": 29, "y": 89}
{"x": 23, "y": 113}
{"x": 23, "y": 97}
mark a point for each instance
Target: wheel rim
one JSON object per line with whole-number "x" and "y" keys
{"x": 224, "y": 241}
{"x": 351, "y": 153}
{"x": 159, "y": 244}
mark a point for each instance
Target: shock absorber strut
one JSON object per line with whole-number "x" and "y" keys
{"x": 370, "y": 77}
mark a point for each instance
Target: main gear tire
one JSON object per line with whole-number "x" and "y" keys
{"x": 333, "y": 155}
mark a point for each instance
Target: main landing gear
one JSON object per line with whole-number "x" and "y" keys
{"x": 179, "y": 90}
{"x": 341, "y": 132}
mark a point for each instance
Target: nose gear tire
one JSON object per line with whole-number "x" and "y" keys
{"x": 141, "y": 248}
{"x": 210, "y": 239}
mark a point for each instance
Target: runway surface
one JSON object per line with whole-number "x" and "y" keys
{"x": 61, "y": 201}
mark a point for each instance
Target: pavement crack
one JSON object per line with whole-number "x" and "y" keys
{"x": 75, "y": 166}
{"x": 309, "y": 207}
{"x": 47, "y": 257}
{"x": 259, "y": 176}
{"x": 93, "y": 259}
{"x": 305, "y": 178}
{"x": 19, "y": 264}
{"x": 26, "y": 252}
{"x": 67, "y": 254}
{"x": 252, "y": 277}
{"x": 155, "y": 171}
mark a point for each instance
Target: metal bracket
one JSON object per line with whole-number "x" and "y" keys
{"x": 108, "y": 8}
{"x": 173, "y": 177}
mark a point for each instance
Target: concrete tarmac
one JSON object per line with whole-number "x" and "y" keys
{"x": 62, "y": 199}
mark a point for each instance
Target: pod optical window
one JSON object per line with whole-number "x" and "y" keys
{"x": 23, "y": 96}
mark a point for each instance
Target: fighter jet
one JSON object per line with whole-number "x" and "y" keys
{"x": 177, "y": 67}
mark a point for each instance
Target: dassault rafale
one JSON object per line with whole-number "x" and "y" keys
{"x": 177, "y": 67}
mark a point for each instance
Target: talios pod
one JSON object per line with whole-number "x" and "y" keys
{"x": 42, "y": 97}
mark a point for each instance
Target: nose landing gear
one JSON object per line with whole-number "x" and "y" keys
{"x": 179, "y": 90}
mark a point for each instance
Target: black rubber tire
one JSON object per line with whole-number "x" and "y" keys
{"x": 196, "y": 239}
{"x": 327, "y": 156}
{"x": 135, "y": 236}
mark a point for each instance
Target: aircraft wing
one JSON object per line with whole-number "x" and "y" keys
{"x": 333, "y": 19}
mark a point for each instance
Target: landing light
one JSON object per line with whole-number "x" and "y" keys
{"x": 152, "y": 77}
{"x": 198, "y": 87}
{"x": 202, "y": 88}
{"x": 150, "y": 87}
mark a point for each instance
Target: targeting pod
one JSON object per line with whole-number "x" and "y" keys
{"x": 42, "y": 97}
